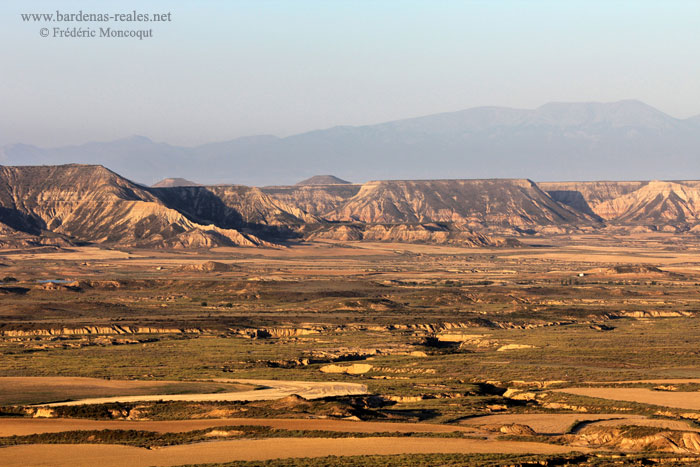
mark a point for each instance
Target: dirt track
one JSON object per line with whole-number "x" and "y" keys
{"x": 273, "y": 390}
{"x": 27, "y": 426}
{"x": 80, "y": 455}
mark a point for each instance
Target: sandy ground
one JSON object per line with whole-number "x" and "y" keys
{"x": 678, "y": 400}
{"x": 80, "y": 455}
{"x": 549, "y": 423}
{"x": 273, "y": 390}
{"x": 27, "y": 426}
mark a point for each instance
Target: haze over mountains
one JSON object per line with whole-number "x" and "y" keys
{"x": 625, "y": 140}
{"x": 76, "y": 204}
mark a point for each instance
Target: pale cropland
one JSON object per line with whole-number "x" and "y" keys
{"x": 83, "y": 455}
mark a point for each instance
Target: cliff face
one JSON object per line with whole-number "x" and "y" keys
{"x": 317, "y": 200}
{"x": 93, "y": 204}
{"x": 81, "y": 202}
{"x": 46, "y": 198}
{"x": 55, "y": 205}
{"x": 257, "y": 207}
{"x": 475, "y": 203}
{"x": 233, "y": 206}
{"x": 655, "y": 203}
{"x": 594, "y": 193}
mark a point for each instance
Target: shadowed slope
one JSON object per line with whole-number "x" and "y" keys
{"x": 633, "y": 203}
{"x": 91, "y": 203}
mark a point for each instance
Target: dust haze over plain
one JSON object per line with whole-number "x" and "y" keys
{"x": 320, "y": 75}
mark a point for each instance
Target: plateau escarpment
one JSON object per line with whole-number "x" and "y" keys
{"x": 317, "y": 200}
{"x": 71, "y": 204}
{"x": 92, "y": 204}
{"x": 474, "y": 203}
{"x": 248, "y": 209}
{"x": 657, "y": 205}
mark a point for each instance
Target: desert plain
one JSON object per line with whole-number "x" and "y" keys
{"x": 564, "y": 349}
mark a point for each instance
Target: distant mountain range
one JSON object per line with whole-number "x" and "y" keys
{"x": 78, "y": 204}
{"x": 625, "y": 140}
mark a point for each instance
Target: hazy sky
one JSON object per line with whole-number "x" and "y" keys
{"x": 223, "y": 69}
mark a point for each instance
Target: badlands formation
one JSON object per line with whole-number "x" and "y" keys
{"x": 396, "y": 322}
{"x": 78, "y": 204}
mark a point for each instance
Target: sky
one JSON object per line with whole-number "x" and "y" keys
{"x": 225, "y": 69}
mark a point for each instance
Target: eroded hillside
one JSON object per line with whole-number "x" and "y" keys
{"x": 92, "y": 204}
{"x": 475, "y": 203}
{"x": 71, "y": 204}
{"x": 654, "y": 204}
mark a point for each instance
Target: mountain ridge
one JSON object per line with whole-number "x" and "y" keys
{"x": 622, "y": 140}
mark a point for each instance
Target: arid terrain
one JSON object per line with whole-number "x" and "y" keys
{"x": 468, "y": 322}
